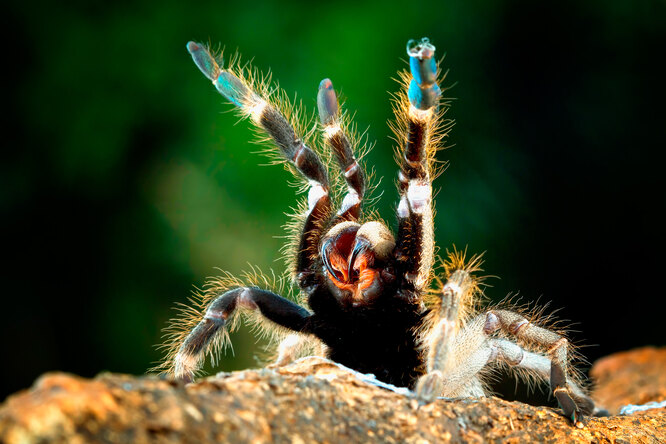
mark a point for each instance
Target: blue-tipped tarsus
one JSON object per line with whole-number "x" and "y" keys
{"x": 204, "y": 60}
{"x": 423, "y": 89}
{"x": 230, "y": 86}
{"x": 327, "y": 102}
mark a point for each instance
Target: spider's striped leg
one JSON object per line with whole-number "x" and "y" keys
{"x": 477, "y": 349}
{"x": 540, "y": 365}
{"x": 335, "y": 136}
{"x": 267, "y": 117}
{"x": 571, "y": 399}
{"x": 282, "y": 311}
{"x": 415, "y": 248}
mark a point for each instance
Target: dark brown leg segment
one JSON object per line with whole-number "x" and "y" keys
{"x": 339, "y": 142}
{"x": 310, "y": 166}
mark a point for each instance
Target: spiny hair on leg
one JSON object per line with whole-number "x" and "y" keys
{"x": 457, "y": 262}
{"x": 190, "y": 315}
{"x": 451, "y": 303}
{"x": 423, "y": 131}
{"x": 293, "y": 228}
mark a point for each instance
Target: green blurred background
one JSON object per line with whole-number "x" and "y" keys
{"x": 124, "y": 182}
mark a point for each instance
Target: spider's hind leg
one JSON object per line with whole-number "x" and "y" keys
{"x": 476, "y": 348}
{"x": 571, "y": 398}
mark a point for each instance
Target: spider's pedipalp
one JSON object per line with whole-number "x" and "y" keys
{"x": 336, "y": 137}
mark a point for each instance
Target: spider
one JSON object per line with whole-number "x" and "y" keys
{"x": 369, "y": 297}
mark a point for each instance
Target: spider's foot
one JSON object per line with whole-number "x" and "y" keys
{"x": 429, "y": 387}
{"x": 423, "y": 90}
{"x": 569, "y": 407}
{"x": 204, "y": 60}
{"x": 230, "y": 86}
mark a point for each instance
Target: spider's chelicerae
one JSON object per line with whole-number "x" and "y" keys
{"x": 370, "y": 302}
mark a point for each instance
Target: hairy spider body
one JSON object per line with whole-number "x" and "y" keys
{"x": 371, "y": 305}
{"x": 379, "y": 339}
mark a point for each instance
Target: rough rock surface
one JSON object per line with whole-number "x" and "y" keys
{"x": 633, "y": 377}
{"x": 315, "y": 401}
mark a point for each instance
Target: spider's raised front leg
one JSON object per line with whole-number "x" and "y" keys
{"x": 274, "y": 307}
{"x": 418, "y": 116}
{"x": 335, "y": 135}
{"x": 188, "y": 355}
{"x": 269, "y": 119}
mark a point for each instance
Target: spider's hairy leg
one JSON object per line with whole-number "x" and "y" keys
{"x": 540, "y": 366}
{"x": 476, "y": 350}
{"x": 572, "y": 400}
{"x": 283, "y": 312}
{"x": 338, "y": 140}
{"x": 440, "y": 339}
{"x": 267, "y": 117}
{"x": 418, "y": 117}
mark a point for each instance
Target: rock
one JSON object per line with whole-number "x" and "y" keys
{"x": 314, "y": 401}
{"x": 633, "y": 377}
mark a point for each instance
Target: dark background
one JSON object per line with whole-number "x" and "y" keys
{"x": 124, "y": 183}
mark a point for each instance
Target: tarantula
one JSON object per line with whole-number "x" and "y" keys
{"x": 371, "y": 306}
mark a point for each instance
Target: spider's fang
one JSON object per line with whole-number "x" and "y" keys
{"x": 327, "y": 262}
{"x": 360, "y": 246}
